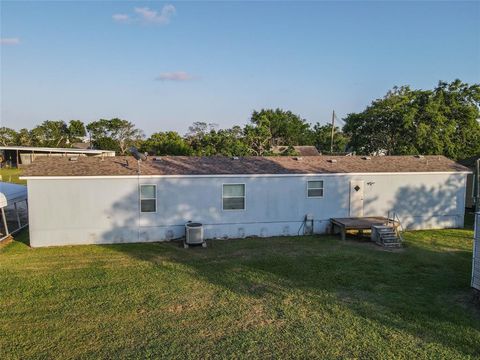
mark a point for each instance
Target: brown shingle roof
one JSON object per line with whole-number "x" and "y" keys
{"x": 219, "y": 165}
{"x": 304, "y": 150}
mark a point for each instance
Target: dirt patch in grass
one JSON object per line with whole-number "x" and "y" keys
{"x": 6, "y": 241}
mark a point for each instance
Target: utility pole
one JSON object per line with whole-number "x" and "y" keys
{"x": 333, "y": 132}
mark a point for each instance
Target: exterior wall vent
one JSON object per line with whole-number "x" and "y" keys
{"x": 157, "y": 158}
{"x": 419, "y": 156}
{"x": 234, "y": 157}
{"x": 366, "y": 158}
{"x": 333, "y": 161}
{"x": 297, "y": 158}
{"x": 73, "y": 158}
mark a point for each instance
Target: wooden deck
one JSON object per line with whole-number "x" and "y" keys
{"x": 358, "y": 223}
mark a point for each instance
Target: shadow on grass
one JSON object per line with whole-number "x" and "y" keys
{"x": 19, "y": 240}
{"x": 420, "y": 291}
{"x": 22, "y": 237}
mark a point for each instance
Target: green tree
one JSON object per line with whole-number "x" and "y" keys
{"x": 383, "y": 125}
{"x": 205, "y": 140}
{"x": 447, "y": 121}
{"x": 227, "y": 142}
{"x": 8, "y": 136}
{"x": 51, "y": 133}
{"x": 25, "y": 138}
{"x": 322, "y": 137}
{"x": 200, "y": 129}
{"x": 439, "y": 121}
{"x": 286, "y": 128}
{"x": 114, "y": 134}
{"x": 106, "y": 143}
{"x": 76, "y": 131}
{"x": 258, "y": 137}
{"x": 166, "y": 143}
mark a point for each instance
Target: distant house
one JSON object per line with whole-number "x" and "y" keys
{"x": 115, "y": 199}
{"x": 299, "y": 150}
{"x": 16, "y": 156}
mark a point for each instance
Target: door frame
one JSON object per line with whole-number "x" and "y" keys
{"x": 356, "y": 210}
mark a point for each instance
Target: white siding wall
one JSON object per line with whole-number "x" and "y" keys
{"x": 86, "y": 211}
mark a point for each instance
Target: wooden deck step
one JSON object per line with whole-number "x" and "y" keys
{"x": 385, "y": 236}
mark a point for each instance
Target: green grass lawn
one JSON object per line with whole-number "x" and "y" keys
{"x": 11, "y": 175}
{"x": 277, "y": 298}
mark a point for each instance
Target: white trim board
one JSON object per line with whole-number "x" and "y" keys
{"x": 239, "y": 175}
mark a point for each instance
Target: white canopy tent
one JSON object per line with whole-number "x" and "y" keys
{"x": 13, "y": 208}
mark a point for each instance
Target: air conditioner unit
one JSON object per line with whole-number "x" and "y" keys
{"x": 194, "y": 234}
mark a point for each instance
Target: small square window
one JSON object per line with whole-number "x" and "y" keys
{"x": 315, "y": 188}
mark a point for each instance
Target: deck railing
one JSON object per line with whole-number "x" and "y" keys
{"x": 394, "y": 221}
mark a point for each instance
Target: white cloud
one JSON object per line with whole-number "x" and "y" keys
{"x": 153, "y": 16}
{"x": 147, "y": 16}
{"x": 120, "y": 17}
{"x": 175, "y": 76}
{"x": 9, "y": 41}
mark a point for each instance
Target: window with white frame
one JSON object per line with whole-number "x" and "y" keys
{"x": 233, "y": 197}
{"x": 148, "y": 198}
{"x": 315, "y": 188}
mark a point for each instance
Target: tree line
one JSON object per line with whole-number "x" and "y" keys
{"x": 444, "y": 120}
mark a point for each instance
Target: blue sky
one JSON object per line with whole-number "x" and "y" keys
{"x": 164, "y": 65}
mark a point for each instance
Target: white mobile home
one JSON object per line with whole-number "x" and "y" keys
{"x": 117, "y": 200}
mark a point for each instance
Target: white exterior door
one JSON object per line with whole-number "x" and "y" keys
{"x": 356, "y": 198}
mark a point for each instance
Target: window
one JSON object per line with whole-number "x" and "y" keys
{"x": 315, "y": 188}
{"x": 148, "y": 198}
{"x": 233, "y": 197}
